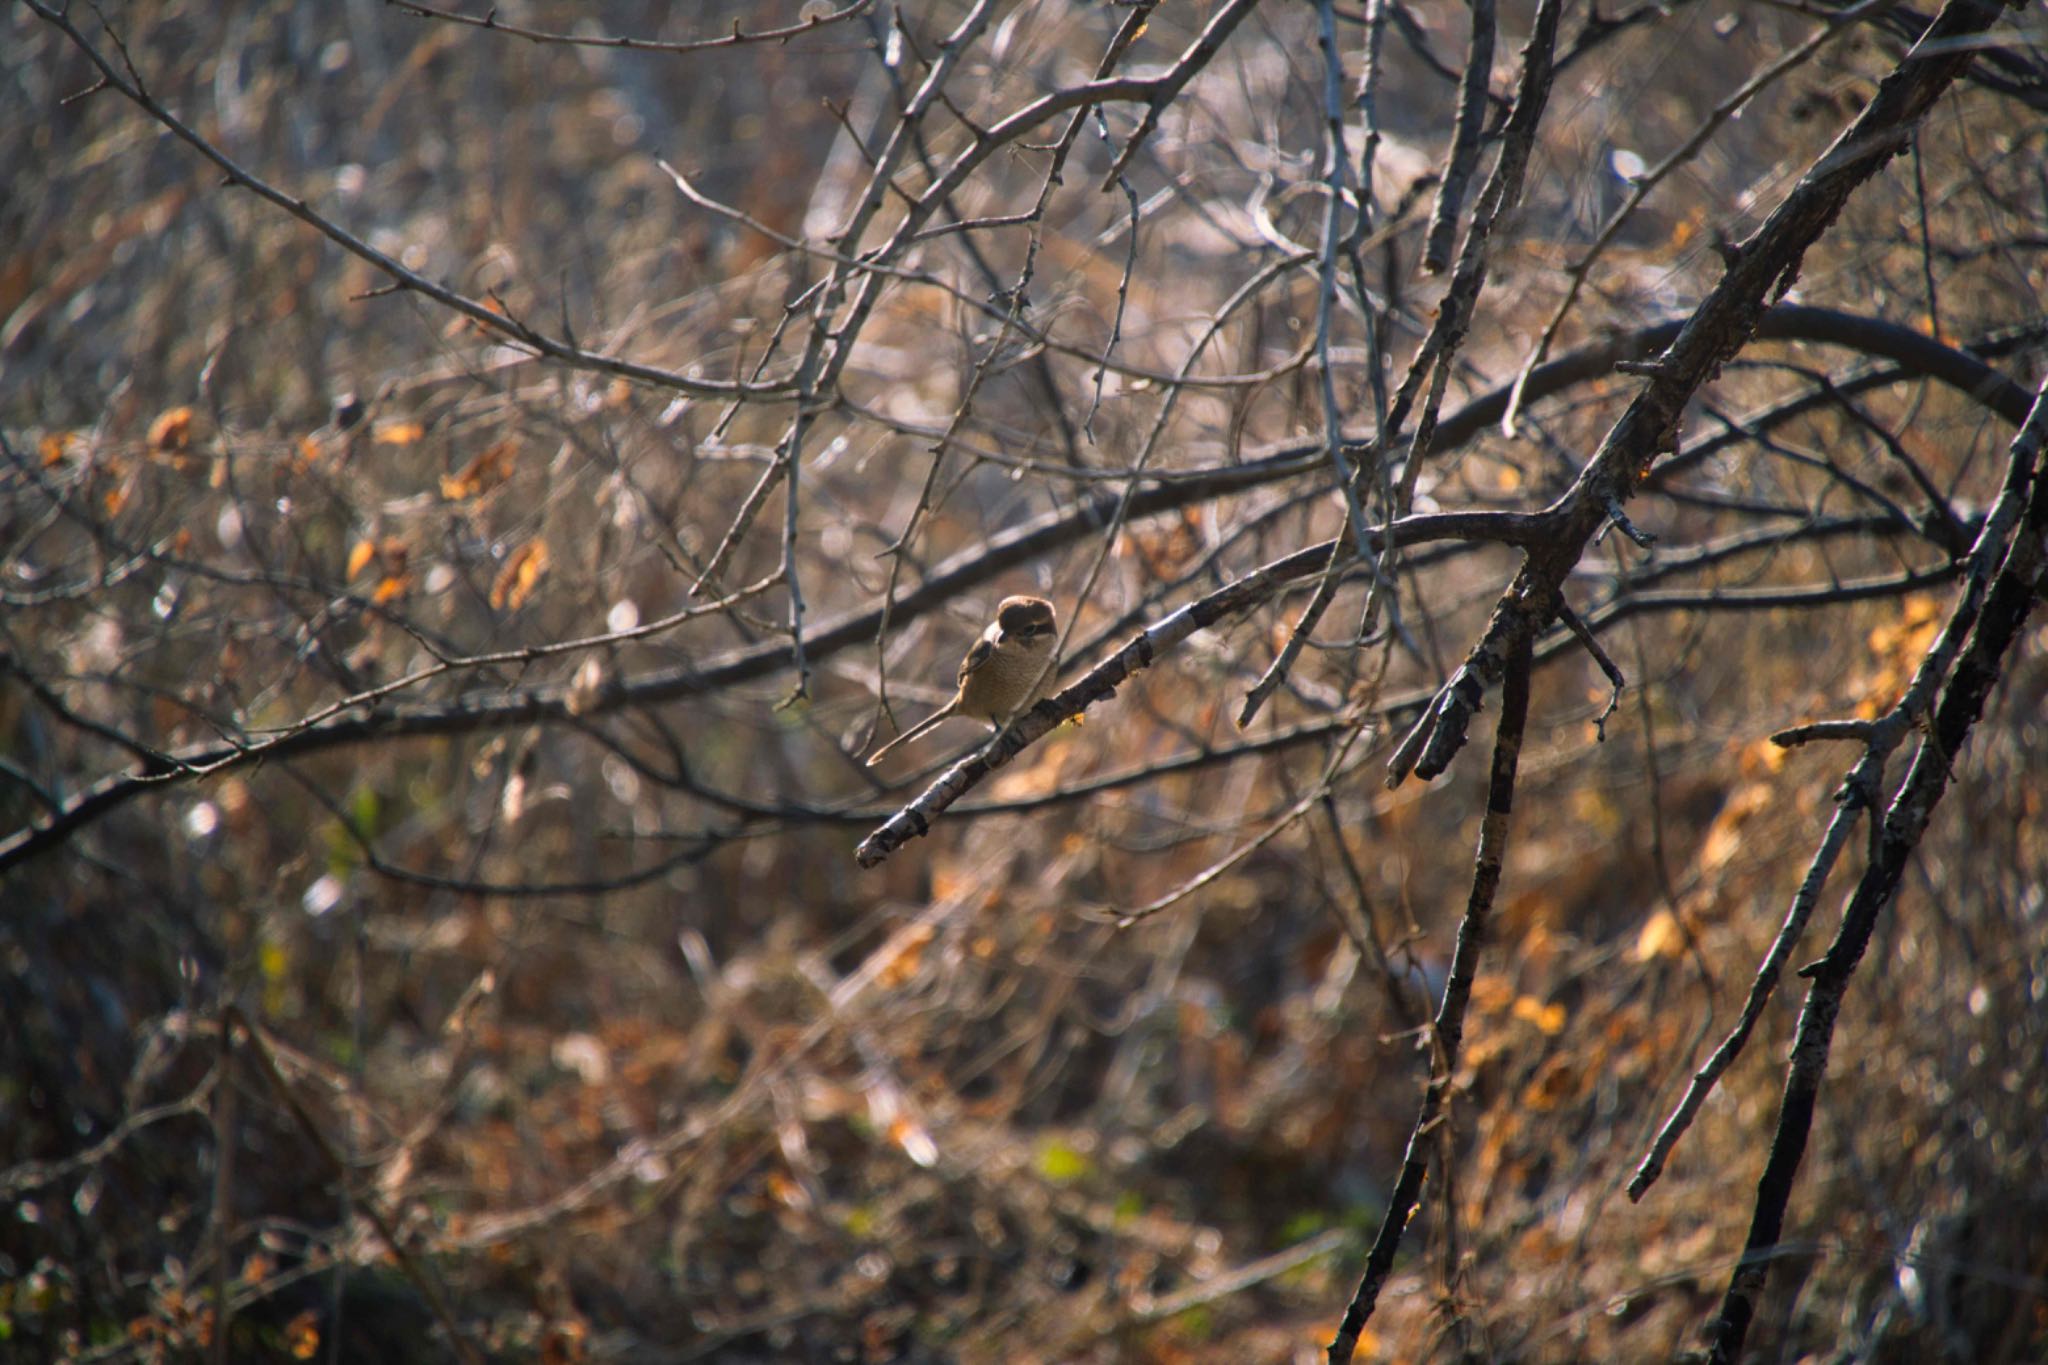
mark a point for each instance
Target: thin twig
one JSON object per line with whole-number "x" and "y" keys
{"x": 1448, "y": 1032}
{"x": 1473, "y": 89}
{"x": 483, "y": 314}
{"x": 1615, "y": 681}
{"x": 1640, "y": 188}
{"x": 1992, "y": 616}
{"x": 1860, "y": 789}
{"x": 737, "y": 38}
{"x": 409, "y": 1264}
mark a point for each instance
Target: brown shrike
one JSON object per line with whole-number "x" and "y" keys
{"x": 1009, "y": 668}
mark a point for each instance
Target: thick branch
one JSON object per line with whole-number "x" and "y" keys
{"x": 1145, "y": 648}
{"x": 1993, "y": 620}
{"x": 1759, "y": 269}
{"x": 1170, "y": 491}
{"x": 1449, "y": 1030}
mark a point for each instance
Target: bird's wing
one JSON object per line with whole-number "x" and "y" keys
{"x": 984, "y": 650}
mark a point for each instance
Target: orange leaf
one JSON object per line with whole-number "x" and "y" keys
{"x": 359, "y": 556}
{"x": 1548, "y": 1019}
{"x": 1760, "y": 758}
{"x": 399, "y": 433}
{"x": 515, "y": 582}
{"x": 489, "y": 469}
{"x": 1491, "y": 992}
{"x": 117, "y": 498}
{"x": 302, "y": 1335}
{"x": 1661, "y": 936}
{"x": 391, "y": 587}
{"x": 1368, "y": 1347}
{"x": 172, "y": 431}
{"x": 787, "y": 1191}
{"x": 458, "y": 325}
{"x": 56, "y": 446}
{"x": 1725, "y": 836}
{"x": 910, "y": 956}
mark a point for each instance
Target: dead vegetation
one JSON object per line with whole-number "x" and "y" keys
{"x": 473, "y": 489}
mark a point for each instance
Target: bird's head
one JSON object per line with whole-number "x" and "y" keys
{"x": 1026, "y": 620}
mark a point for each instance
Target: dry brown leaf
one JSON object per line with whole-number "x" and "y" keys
{"x": 1548, "y": 1019}
{"x": 1760, "y": 758}
{"x": 56, "y": 446}
{"x": 171, "y": 431}
{"x": 302, "y": 1335}
{"x": 584, "y": 687}
{"x": 490, "y": 468}
{"x": 1491, "y": 992}
{"x": 1025, "y": 782}
{"x": 1661, "y": 936}
{"x": 947, "y": 880}
{"x": 460, "y": 324}
{"x": 564, "y": 1343}
{"x": 909, "y": 957}
{"x": 1908, "y": 638}
{"x": 1725, "y": 836}
{"x": 515, "y": 582}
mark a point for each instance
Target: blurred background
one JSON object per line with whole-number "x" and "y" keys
{"x": 531, "y": 1004}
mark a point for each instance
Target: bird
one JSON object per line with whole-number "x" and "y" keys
{"x": 1009, "y": 668}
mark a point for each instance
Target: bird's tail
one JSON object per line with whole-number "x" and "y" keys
{"x": 922, "y": 727}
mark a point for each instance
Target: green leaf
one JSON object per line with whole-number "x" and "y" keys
{"x": 1061, "y": 1163}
